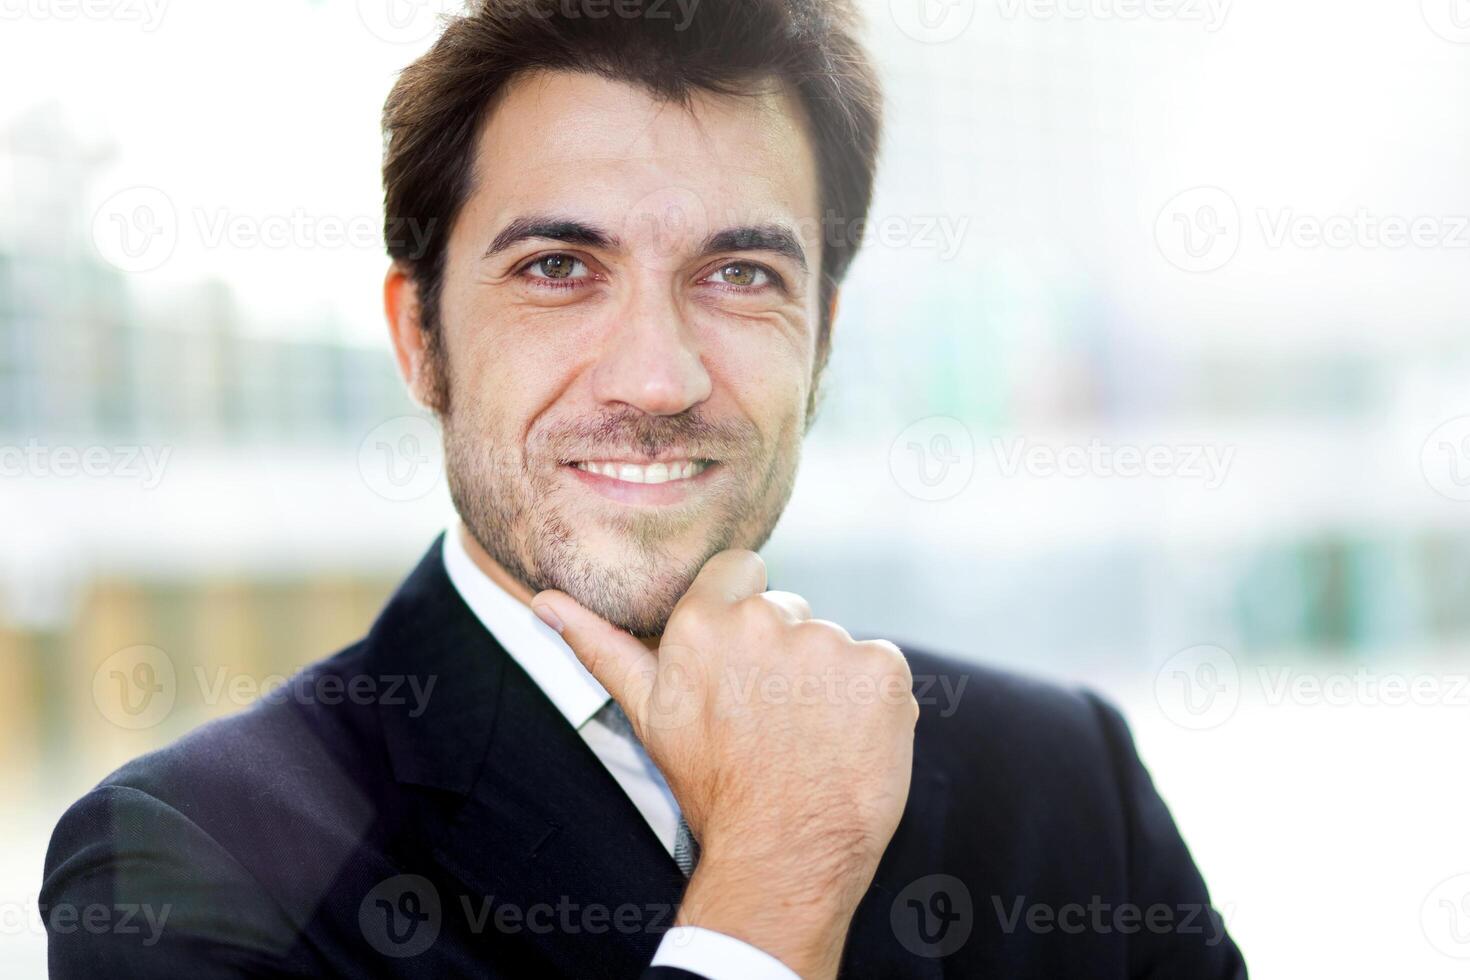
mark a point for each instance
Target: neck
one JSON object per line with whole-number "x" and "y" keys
{"x": 512, "y": 585}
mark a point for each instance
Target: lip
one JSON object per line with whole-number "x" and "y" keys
{"x": 647, "y": 494}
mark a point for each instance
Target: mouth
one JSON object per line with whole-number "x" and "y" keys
{"x": 629, "y": 472}
{"x": 645, "y": 480}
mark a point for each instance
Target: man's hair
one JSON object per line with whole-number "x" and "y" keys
{"x": 436, "y": 110}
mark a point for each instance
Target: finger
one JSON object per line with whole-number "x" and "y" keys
{"x": 619, "y": 662}
{"x": 728, "y": 577}
{"x": 793, "y": 604}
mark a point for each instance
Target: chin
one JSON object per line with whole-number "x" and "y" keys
{"x": 632, "y": 588}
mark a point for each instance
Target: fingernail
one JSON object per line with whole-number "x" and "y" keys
{"x": 548, "y": 616}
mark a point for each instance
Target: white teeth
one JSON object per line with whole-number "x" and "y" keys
{"x": 653, "y": 473}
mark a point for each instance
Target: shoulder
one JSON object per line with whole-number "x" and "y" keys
{"x": 297, "y": 743}
{"x": 1017, "y": 728}
{"x": 955, "y": 693}
{"x": 282, "y": 793}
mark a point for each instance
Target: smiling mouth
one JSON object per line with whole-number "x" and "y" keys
{"x": 663, "y": 471}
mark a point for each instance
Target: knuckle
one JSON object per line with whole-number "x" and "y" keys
{"x": 740, "y": 559}
{"x": 825, "y": 631}
{"x": 890, "y": 658}
{"x": 788, "y": 602}
{"x": 696, "y": 617}
{"x": 758, "y": 612}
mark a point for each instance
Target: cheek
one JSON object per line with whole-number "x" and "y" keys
{"x": 504, "y": 366}
{"x": 768, "y": 374}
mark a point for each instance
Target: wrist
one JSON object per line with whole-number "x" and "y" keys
{"x": 796, "y": 916}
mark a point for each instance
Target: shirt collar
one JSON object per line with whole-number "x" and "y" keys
{"x": 538, "y": 649}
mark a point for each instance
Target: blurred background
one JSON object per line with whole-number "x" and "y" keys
{"x": 1153, "y": 376}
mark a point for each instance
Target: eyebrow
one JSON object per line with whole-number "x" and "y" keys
{"x": 557, "y": 229}
{"x": 762, "y": 238}
{"x": 774, "y": 238}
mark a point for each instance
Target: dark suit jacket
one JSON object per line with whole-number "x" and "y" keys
{"x": 366, "y": 832}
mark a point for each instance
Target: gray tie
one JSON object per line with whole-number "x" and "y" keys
{"x": 686, "y": 848}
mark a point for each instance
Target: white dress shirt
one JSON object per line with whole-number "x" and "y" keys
{"x": 544, "y": 655}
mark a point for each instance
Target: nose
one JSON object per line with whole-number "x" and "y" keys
{"x": 651, "y": 358}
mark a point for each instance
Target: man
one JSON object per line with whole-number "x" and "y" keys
{"x": 630, "y": 757}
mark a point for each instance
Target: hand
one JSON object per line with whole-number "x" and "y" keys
{"x": 788, "y": 745}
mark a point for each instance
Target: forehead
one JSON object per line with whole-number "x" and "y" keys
{"x": 608, "y": 152}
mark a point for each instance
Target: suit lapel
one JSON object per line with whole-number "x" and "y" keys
{"x": 526, "y": 817}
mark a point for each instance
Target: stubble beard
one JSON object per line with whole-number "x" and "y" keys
{"x": 514, "y": 505}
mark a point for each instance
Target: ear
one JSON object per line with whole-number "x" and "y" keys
{"x": 405, "y": 330}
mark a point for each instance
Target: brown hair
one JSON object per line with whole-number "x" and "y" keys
{"x": 439, "y": 103}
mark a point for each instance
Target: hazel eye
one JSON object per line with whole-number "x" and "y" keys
{"x": 556, "y": 267}
{"x": 743, "y": 274}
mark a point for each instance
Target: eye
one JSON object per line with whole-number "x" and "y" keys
{"x": 556, "y": 268}
{"x": 742, "y": 275}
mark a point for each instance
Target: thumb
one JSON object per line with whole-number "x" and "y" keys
{"x": 619, "y": 662}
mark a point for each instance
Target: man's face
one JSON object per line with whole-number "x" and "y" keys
{"x": 629, "y": 321}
